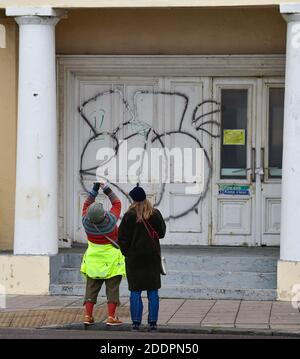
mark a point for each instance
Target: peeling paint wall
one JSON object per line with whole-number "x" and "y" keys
{"x": 25, "y": 274}
{"x": 288, "y": 281}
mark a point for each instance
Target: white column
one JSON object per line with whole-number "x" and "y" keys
{"x": 36, "y": 220}
{"x": 290, "y": 213}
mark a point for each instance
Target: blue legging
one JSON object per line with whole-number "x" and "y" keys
{"x": 136, "y": 306}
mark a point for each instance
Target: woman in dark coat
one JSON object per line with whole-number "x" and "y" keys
{"x": 142, "y": 255}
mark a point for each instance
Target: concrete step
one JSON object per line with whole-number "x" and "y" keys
{"x": 212, "y": 279}
{"x": 226, "y": 264}
{"x": 217, "y": 279}
{"x": 198, "y": 261}
{"x": 195, "y": 292}
{"x": 193, "y": 272}
{"x": 178, "y": 291}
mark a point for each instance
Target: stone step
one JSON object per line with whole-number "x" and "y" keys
{"x": 193, "y": 272}
{"x": 177, "y": 291}
{"x": 212, "y": 279}
{"x": 226, "y": 264}
{"x": 217, "y": 293}
{"x": 221, "y": 279}
{"x": 199, "y": 262}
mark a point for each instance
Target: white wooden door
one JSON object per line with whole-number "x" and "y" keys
{"x": 189, "y": 214}
{"x": 234, "y": 201}
{"x": 271, "y": 159}
{"x": 246, "y": 177}
{"x": 147, "y": 113}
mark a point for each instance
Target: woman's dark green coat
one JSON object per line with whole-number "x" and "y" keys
{"x": 141, "y": 253}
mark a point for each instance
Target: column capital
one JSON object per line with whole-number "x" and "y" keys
{"x": 46, "y": 11}
{"x": 37, "y": 20}
{"x": 290, "y": 12}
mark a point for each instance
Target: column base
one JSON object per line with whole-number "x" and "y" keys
{"x": 288, "y": 280}
{"x": 27, "y": 275}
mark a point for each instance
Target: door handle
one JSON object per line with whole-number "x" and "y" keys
{"x": 253, "y": 164}
{"x": 262, "y": 165}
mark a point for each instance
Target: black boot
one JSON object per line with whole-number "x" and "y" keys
{"x": 135, "y": 326}
{"x": 152, "y": 327}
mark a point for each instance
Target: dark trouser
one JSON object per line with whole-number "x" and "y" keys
{"x": 136, "y": 306}
{"x": 112, "y": 285}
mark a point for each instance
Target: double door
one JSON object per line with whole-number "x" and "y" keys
{"x": 246, "y": 176}
{"x": 237, "y": 121}
{"x": 122, "y": 122}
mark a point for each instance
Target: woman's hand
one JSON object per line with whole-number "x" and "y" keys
{"x": 99, "y": 184}
{"x": 102, "y": 184}
{"x": 96, "y": 186}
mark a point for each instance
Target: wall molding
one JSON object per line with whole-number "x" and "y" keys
{"x": 173, "y": 65}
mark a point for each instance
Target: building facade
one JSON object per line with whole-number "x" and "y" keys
{"x": 195, "y": 74}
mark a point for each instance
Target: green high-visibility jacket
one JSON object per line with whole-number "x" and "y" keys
{"x": 102, "y": 261}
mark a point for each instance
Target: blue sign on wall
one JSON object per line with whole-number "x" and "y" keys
{"x": 234, "y": 190}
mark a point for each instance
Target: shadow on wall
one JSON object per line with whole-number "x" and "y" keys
{"x": 252, "y": 30}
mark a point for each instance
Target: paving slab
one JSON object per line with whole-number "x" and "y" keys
{"x": 60, "y": 316}
{"x": 184, "y": 321}
{"x": 29, "y": 321}
{"x": 283, "y": 307}
{"x": 27, "y": 301}
{"x": 222, "y": 313}
{"x": 59, "y": 302}
{"x": 6, "y": 318}
{"x": 254, "y": 313}
{"x": 284, "y": 314}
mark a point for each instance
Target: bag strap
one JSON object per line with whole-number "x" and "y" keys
{"x": 115, "y": 244}
{"x": 111, "y": 241}
{"x": 146, "y": 224}
{"x": 153, "y": 233}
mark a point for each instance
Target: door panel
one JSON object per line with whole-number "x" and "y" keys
{"x": 233, "y": 216}
{"x": 189, "y": 213}
{"x": 233, "y": 189}
{"x": 148, "y": 113}
{"x": 271, "y": 157}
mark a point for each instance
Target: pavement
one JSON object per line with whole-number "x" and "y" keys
{"x": 176, "y": 315}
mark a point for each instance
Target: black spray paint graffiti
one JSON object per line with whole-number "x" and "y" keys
{"x": 146, "y": 129}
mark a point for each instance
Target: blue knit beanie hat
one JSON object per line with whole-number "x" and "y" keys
{"x": 137, "y": 194}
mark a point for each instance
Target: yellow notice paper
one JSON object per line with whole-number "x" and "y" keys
{"x": 233, "y": 137}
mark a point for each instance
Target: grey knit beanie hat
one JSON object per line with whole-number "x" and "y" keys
{"x": 95, "y": 213}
